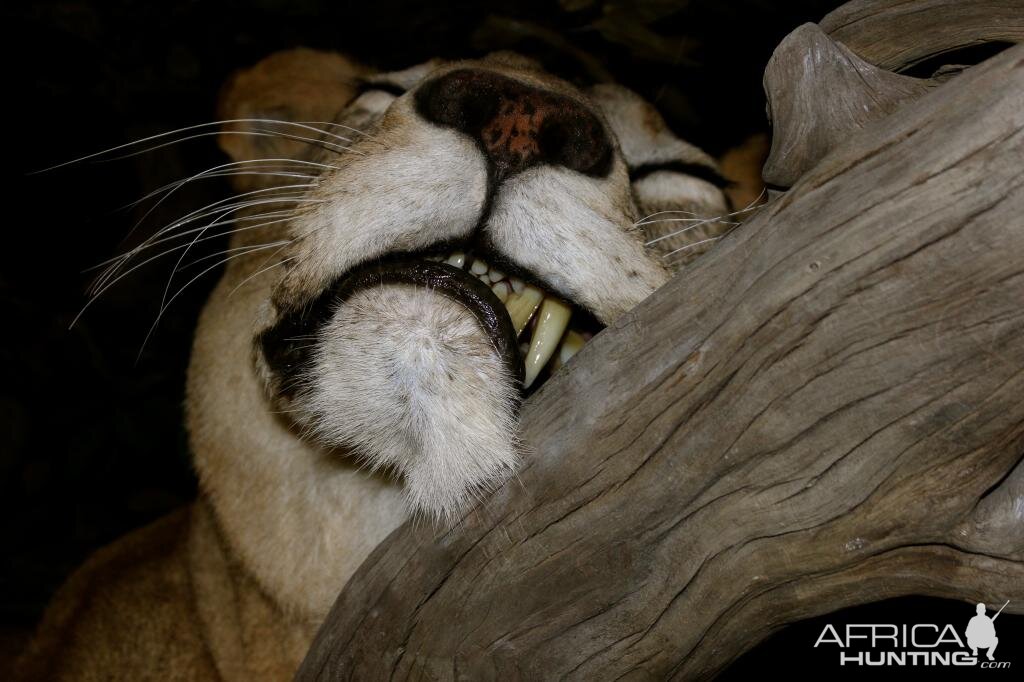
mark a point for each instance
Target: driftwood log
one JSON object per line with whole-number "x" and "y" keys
{"x": 897, "y": 34}
{"x": 823, "y": 411}
{"x": 819, "y": 92}
{"x": 825, "y": 81}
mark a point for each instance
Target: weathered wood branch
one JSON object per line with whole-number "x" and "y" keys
{"x": 895, "y": 34}
{"x": 819, "y": 93}
{"x": 826, "y": 82}
{"x": 823, "y": 411}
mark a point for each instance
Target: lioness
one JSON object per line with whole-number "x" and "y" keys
{"x": 397, "y": 277}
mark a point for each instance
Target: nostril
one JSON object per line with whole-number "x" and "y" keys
{"x": 576, "y": 141}
{"x": 477, "y": 109}
{"x": 459, "y": 101}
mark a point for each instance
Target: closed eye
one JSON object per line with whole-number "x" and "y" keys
{"x": 380, "y": 86}
{"x": 695, "y": 170}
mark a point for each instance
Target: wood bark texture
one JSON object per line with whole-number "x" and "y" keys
{"x": 897, "y": 34}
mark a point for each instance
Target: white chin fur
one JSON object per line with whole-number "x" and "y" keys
{"x": 405, "y": 378}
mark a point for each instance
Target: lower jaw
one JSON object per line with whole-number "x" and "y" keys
{"x": 533, "y": 331}
{"x": 452, "y": 283}
{"x": 548, "y": 329}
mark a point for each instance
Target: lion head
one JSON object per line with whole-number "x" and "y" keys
{"x": 412, "y": 253}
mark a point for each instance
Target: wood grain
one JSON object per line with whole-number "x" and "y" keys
{"x": 897, "y": 34}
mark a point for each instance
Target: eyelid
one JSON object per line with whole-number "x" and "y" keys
{"x": 382, "y": 86}
{"x": 696, "y": 170}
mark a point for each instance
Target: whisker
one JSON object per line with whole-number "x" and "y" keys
{"x": 174, "y": 270}
{"x": 216, "y": 203}
{"x": 260, "y": 272}
{"x": 703, "y": 241}
{"x": 207, "y": 257}
{"x": 164, "y": 306}
{"x": 357, "y": 131}
{"x": 750, "y": 206}
{"x": 713, "y": 219}
{"x": 307, "y": 125}
{"x": 95, "y": 296}
{"x": 214, "y": 173}
{"x": 185, "y": 252}
{"x": 662, "y": 213}
{"x": 676, "y": 233}
{"x": 326, "y": 146}
{"x": 163, "y": 240}
{"x": 677, "y": 220}
{"x": 756, "y": 201}
{"x": 233, "y": 208}
{"x": 690, "y": 246}
{"x": 755, "y": 204}
{"x": 204, "y": 212}
{"x": 122, "y": 258}
{"x": 101, "y": 287}
{"x": 168, "y": 133}
{"x": 224, "y": 211}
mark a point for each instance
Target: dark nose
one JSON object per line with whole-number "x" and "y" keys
{"x": 517, "y": 125}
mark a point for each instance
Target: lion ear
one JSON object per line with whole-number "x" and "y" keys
{"x": 298, "y": 85}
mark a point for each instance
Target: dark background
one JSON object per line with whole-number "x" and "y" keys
{"x": 92, "y": 443}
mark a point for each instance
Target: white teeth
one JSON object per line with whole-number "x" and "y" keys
{"x": 552, "y": 319}
{"x": 501, "y": 291}
{"x": 522, "y": 305}
{"x": 550, "y": 342}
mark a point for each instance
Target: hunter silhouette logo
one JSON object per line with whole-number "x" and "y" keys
{"x": 925, "y": 644}
{"x": 981, "y": 632}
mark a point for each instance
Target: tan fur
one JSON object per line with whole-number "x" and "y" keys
{"x": 404, "y": 379}
{"x": 742, "y": 165}
{"x": 292, "y": 85}
{"x": 166, "y": 602}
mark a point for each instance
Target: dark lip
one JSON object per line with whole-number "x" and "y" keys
{"x": 286, "y": 345}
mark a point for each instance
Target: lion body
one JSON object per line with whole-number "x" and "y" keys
{"x": 166, "y": 602}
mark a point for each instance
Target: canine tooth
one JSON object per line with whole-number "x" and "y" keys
{"x": 458, "y": 259}
{"x": 522, "y": 306}
{"x": 552, "y": 319}
{"x": 495, "y": 275}
{"x": 517, "y": 284}
{"x": 501, "y": 291}
{"x": 571, "y": 345}
{"x": 479, "y": 267}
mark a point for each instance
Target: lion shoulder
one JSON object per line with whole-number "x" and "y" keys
{"x": 128, "y": 609}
